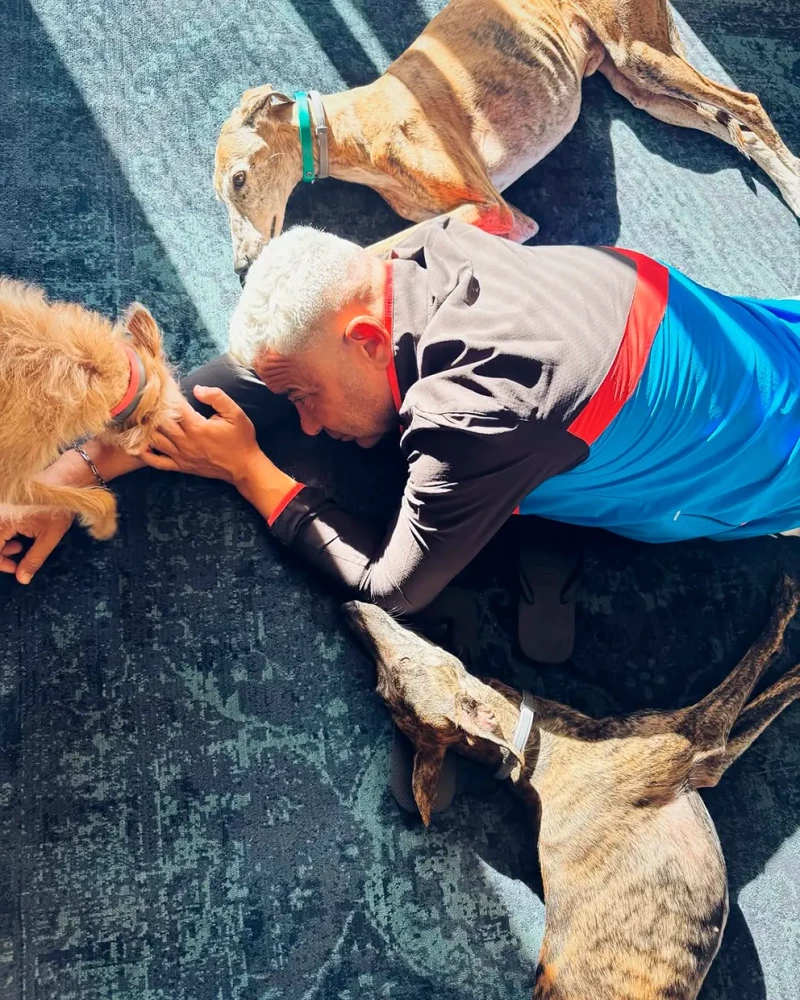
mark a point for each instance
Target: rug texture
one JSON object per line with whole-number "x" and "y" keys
{"x": 193, "y": 764}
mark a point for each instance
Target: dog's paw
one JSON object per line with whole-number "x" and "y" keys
{"x": 524, "y": 227}
{"x": 104, "y": 527}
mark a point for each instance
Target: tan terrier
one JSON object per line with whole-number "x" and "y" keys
{"x": 67, "y": 374}
{"x": 634, "y": 879}
{"x": 482, "y": 95}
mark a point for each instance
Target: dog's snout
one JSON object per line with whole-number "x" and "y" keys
{"x": 241, "y": 268}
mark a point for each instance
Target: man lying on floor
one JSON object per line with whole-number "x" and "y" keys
{"x": 591, "y": 386}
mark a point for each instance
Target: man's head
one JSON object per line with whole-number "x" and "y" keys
{"x": 258, "y": 162}
{"x": 310, "y": 324}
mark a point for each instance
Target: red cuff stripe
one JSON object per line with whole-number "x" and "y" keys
{"x": 647, "y": 311}
{"x": 388, "y": 307}
{"x": 285, "y": 503}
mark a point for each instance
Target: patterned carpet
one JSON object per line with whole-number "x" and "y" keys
{"x": 193, "y": 765}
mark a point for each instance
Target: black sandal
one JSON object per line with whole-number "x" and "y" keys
{"x": 548, "y": 579}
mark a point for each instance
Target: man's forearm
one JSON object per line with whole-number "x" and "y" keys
{"x": 265, "y": 486}
{"x": 72, "y": 470}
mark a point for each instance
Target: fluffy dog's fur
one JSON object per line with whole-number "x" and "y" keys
{"x": 62, "y": 370}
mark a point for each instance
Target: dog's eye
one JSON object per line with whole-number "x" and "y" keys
{"x": 238, "y": 179}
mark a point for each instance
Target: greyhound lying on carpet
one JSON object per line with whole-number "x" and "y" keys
{"x": 634, "y": 879}
{"x": 482, "y": 95}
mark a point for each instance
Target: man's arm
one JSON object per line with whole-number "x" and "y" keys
{"x": 461, "y": 489}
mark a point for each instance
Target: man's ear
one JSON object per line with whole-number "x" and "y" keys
{"x": 425, "y": 782}
{"x": 371, "y": 336}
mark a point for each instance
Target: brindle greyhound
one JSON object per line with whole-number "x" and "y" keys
{"x": 487, "y": 90}
{"x": 633, "y": 873}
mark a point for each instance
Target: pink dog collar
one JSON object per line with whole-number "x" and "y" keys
{"x": 133, "y": 394}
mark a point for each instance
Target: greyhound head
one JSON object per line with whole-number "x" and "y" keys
{"x": 433, "y": 699}
{"x": 258, "y": 162}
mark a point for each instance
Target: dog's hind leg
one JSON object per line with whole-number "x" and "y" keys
{"x": 691, "y": 114}
{"x": 642, "y": 42}
{"x": 95, "y": 507}
{"x": 755, "y": 718}
{"x": 709, "y": 723}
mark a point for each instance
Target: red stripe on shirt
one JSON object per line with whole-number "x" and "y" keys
{"x": 388, "y": 306}
{"x": 645, "y": 316}
{"x": 285, "y": 503}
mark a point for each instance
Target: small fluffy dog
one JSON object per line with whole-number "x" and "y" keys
{"x": 67, "y": 374}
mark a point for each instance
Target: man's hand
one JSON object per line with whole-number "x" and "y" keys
{"x": 45, "y": 528}
{"x": 222, "y": 446}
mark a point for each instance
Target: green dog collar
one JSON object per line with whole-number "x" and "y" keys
{"x": 307, "y": 146}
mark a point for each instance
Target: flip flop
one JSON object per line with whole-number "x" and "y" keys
{"x": 548, "y": 579}
{"x": 401, "y": 770}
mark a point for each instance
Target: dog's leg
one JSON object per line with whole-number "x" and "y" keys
{"x": 501, "y": 219}
{"x": 755, "y": 718}
{"x": 642, "y": 41}
{"x": 95, "y": 507}
{"x": 709, "y": 723}
{"x": 691, "y": 114}
{"x": 440, "y": 174}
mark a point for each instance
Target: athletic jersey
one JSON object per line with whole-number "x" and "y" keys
{"x": 709, "y": 441}
{"x": 544, "y": 379}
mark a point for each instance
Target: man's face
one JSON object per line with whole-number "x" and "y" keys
{"x": 339, "y": 385}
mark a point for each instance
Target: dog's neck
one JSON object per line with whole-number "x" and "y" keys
{"x": 348, "y": 144}
{"x": 135, "y": 382}
{"x": 539, "y": 745}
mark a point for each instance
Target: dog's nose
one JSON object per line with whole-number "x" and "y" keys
{"x": 241, "y": 267}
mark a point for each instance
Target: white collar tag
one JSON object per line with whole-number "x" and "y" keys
{"x": 321, "y": 132}
{"x": 521, "y": 734}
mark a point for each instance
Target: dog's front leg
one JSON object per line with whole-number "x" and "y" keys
{"x": 501, "y": 220}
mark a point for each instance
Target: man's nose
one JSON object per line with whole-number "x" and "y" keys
{"x": 309, "y": 426}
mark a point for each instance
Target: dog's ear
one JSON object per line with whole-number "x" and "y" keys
{"x": 142, "y": 328}
{"x": 265, "y": 99}
{"x": 476, "y": 718}
{"x": 425, "y": 781}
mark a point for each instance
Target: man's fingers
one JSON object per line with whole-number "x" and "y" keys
{"x": 7, "y": 565}
{"x": 219, "y": 400}
{"x": 162, "y": 462}
{"x": 162, "y": 443}
{"x": 43, "y": 545}
{"x": 9, "y": 546}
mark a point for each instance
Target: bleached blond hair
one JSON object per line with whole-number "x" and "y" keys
{"x": 299, "y": 279}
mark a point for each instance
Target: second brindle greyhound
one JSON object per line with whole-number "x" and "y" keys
{"x": 634, "y": 879}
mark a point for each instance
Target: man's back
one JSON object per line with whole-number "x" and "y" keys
{"x": 484, "y": 326}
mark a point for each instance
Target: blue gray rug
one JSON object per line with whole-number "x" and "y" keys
{"x": 193, "y": 766}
